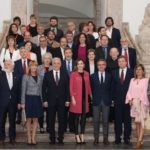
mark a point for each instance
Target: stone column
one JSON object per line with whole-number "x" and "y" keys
{"x": 97, "y": 4}
{"x": 36, "y": 8}
{"x": 115, "y": 10}
{"x": 19, "y": 8}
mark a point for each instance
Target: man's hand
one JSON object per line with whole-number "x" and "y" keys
{"x": 67, "y": 104}
{"x": 23, "y": 106}
{"x": 45, "y": 104}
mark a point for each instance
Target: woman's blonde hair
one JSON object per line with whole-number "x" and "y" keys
{"x": 32, "y": 63}
{"x": 143, "y": 69}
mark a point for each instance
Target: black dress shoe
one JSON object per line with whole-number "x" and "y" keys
{"x": 105, "y": 141}
{"x": 117, "y": 142}
{"x": 2, "y": 143}
{"x": 60, "y": 143}
{"x": 13, "y": 142}
{"x": 127, "y": 142}
{"x": 18, "y": 122}
{"x": 96, "y": 141}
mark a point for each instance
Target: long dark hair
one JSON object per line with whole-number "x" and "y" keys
{"x": 76, "y": 63}
{"x": 10, "y": 32}
{"x": 78, "y": 39}
{"x": 143, "y": 69}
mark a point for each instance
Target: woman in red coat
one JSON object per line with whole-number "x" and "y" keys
{"x": 79, "y": 90}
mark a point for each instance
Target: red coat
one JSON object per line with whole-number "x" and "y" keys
{"x": 76, "y": 91}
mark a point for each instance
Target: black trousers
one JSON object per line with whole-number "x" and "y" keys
{"x": 80, "y": 119}
{"x": 11, "y": 110}
{"x": 69, "y": 120}
{"x": 52, "y": 110}
{"x": 122, "y": 117}
{"x": 41, "y": 119}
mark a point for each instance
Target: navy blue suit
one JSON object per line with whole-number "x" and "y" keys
{"x": 122, "y": 110}
{"x": 9, "y": 98}
{"x": 101, "y": 91}
{"x": 56, "y": 96}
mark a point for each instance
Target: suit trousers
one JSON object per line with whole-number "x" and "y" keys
{"x": 52, "y": 110}
{"x": 122, "y": 116}
{"x": 11, "y": 110}
{"x": 96, "y": 119}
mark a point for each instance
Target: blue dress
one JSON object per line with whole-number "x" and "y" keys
{"x": 33, "y": 105}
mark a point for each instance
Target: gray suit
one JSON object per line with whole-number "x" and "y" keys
{"x": 30, "y": 87}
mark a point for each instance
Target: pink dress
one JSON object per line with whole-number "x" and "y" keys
{"x": 138, "y": 93}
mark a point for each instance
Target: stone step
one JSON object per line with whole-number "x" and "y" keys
{"x": 70, "y": 137}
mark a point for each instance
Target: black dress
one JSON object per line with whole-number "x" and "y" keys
{"x": 33, "y": 30}
{"x": 83, "y": 94}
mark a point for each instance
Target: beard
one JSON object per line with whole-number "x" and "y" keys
{"x": 7, "y": 70}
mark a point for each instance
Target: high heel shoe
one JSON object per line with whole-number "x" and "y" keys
{"x": 77, "y": 138}
{"x": 29, "y": 142}
{"x": 82, "y": 139}
{"x": 138, "y": 145}
{"x": 34, "y": 142}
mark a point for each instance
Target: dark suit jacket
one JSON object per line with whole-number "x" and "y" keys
{"x": 6, "y": 93}
{"x": 87, "y": 66}
{"x": 53, "y": 94}
{"x": 23, "y": 43}
{"x": 19, "y": 68}
{"x": 119, "y": 90}
{"x": 59, "y": 34}
{"x": 56, "y": 52}
{"x": 100, "y": 53}
{"x": 132, "y": 56}
{"x": 115, "y": 37}
{"x": 101, "y": 91}
{"x": 37, "y": 51}
{"x": 64, "y": 67}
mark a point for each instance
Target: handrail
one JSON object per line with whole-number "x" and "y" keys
{"x": 4, "y": 33}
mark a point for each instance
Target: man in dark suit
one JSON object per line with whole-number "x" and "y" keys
{"x": 102, "y": 52}
{"x": 41, "y": 49}
{"x": 54, "y": 27}
{"x": 21, "y": 68}
{"x": 128, "y": 52}
{"x": 70, "y": 42}
{"x": 59, "y": 52}
{"x": 113, "y": 33}
{"x": 72, "y": 28}
{"x": 101, "y": 90}
{"x": 9, "y": 100}
{"x": 55, "y": 92}
{"x": 120, "y": 83}
{"x": 68, "y": 66}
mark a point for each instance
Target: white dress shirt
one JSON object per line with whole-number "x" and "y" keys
{"x": 9, "y": 79}
{"x": 124, "y": 71}
{"x": 99, "y": 75}
{"x": 43, "y": 51}
{"x": 123, "y": 53}
{"x": 92, "y": 68}
{"x": 54, "y": 74}
{"x": 109, "y": 32}
{"x": 62, "y": 52}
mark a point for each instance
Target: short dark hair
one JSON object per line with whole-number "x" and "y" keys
{"x": 91, "y": 50}
{"x": 101, "y": 60}
{"x": 110, "y": 19}
{"x": 103, "y": 36}
{"x": 82, "y": 25}
{"x": 51, "y": 31}
{"x": 17, "y": 18}
{"x": 67, "y": 48}
{"x": 69, "y": 32}
{"x": 100, "y": 28}
{"x": 120, "y": 57}
{"x": 54, "y": 17}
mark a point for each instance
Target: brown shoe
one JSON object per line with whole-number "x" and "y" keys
{"x": 2, "y": 143}
{"x": 105, "y": 141}
{"x": 95, "y": 141}
{"x": 13, "y": 142}
{"x": 138, "y": 145}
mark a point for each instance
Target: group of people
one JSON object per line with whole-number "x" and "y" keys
{"x": 74, "y": 76}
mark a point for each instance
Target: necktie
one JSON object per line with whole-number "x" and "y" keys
{"x": 68, "y": 68}
{"x": 122, "y": 77}
{"x": 126, "y": 55}
{"x": 101, "y": 78}
{"x": 105, "y": 52}
{"x": 24, "y": 67}
{"x": 56, "y": 78}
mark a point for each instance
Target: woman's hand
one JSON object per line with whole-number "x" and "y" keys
{"x": 23, "y": 106}
{"x": 73, "y": 101}
{"x": 131, "y": 102}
